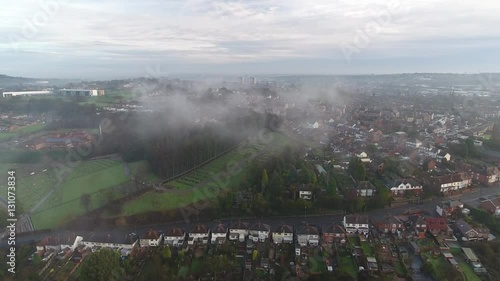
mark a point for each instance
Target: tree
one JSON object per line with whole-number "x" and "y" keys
{"x": 103, "y": 265}
{"x": 265, "y": 179}
{"x": 357, "y": 169}
{"x": 166, "y": 254}
{"x": 216, "y": 266}
{"x": 85, "y": 201}
{"x": 314, "y": 178}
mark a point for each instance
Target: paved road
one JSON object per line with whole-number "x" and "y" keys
{"x": 321, "y": 220}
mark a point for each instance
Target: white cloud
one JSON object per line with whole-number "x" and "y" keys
{"x": 246, "y": 31}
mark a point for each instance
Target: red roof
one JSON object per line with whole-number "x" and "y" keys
{"x": 436, "y": 223}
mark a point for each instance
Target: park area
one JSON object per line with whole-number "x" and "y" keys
{"x": 29, "y": 129}
{"x": 90, "y": 177}
{"x": 207, "y": 181}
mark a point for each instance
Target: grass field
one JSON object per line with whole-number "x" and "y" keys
{"x": 143, "y": 166}
{"x": 469, "y": 273}
{"x": 89, "y": 177}
{"x": 22, "y": 131}
{"x": 203, "y": 184}
{"x": 346, "y": 263}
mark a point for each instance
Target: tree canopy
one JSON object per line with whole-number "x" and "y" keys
{"x": 103, "y": 265}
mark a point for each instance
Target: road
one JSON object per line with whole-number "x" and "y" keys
{"x": 320, "y": 220}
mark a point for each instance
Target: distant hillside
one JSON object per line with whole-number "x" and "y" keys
{"x": 10, "y": 83}
{"x": 6, "y": 80}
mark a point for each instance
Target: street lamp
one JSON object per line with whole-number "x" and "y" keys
{"x": 305, "y": 214}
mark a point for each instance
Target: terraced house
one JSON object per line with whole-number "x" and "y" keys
{"x": 219, "y": 234}
{"x": 402, "y": 187}
{"x": 282, "y": 234}
{"x": 356, "y": 224}
{"x": 334, "y": 233}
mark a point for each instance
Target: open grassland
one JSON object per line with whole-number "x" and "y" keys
{"x": 29, "y": 187}
{"x": 209, "y": 180}
{"x": 23, "y": 131}
{"x": 93, "y": 177}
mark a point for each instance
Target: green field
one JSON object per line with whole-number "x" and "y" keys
{"x": 23, "y": 131}
{"x": 469, "y": 273}
{"x": 91, "y": 177}
{"x": 203, "y": 184}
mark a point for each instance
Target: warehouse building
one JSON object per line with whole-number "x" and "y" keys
{"x": 81, "y": 92}
{"x": 26, "y": 93}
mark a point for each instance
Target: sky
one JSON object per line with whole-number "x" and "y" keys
{"x": 106, "y": 39}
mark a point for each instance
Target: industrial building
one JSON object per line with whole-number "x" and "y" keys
{"x": 26, "y": 93}
{"x": 81, "y": 92}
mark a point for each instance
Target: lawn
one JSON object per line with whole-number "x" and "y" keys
{"x": 23, "y": 131}
{"x": 400, "y": 269}
{"x": 206, "y": 182}
{"x": 64, "y": 203}
{"x": 93, "y": 182}
{"x": 30, "y": 189}
{"x": 469, "y": 273}
{"x": 368, "y": 249}
{"x": 347, "y": 263}
{"x": 317, "y": 265}
{"x": 355, "y": 241}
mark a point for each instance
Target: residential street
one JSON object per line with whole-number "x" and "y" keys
{"x": 321, "y": 220}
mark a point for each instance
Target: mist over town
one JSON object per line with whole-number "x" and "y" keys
{"x": 249, "y": 140}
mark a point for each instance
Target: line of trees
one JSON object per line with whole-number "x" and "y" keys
{"x": 172, "y": 147}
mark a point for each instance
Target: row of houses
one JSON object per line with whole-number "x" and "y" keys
{"x": 201, "y": 234}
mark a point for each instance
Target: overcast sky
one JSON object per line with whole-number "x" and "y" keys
{"x": 114, "y": 38}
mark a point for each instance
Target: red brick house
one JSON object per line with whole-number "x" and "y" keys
{"x": 470, "y": 233}
{"x": 418, "y": 225}
{"x": 388, "y": 224}
{"x": 333, "y": 233}
{"x": 438, "y": 226}
{"x": 492, "y": 206}
{"x": 488, "y": 176}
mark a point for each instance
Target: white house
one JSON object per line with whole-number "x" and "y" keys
{"x": 109, "y": 241}
{"x": 308, "y": 235}
{"x": 70, "y": 241}
{"x": 175, "y": 237}
{"x": 305, "y": 194}
{"x": 151, "y": 238}
{"x": 238, "y": 231}
{"x": 443, "y": 156}
{"x": 364, "y": 157}
{"x": 356, "y": 223}
{"x": 402, "y": 186}
{"x": 452, "y": 182}
{"x": 413, "y": 143}
{"x": 199, "y": 234}
{"x": 282, "y": 234}
{"x": 49, "y": 243}
{"x": 219, "y": 234}
{"x": 259, "y": 232}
